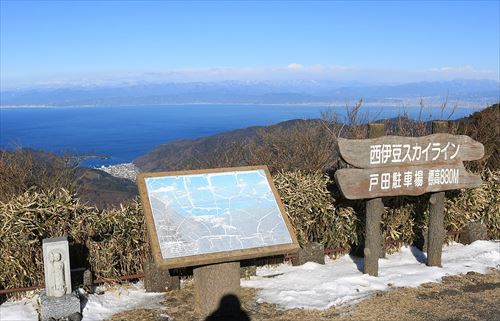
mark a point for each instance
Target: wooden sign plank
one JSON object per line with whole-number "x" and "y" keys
{"x": 398, "y": 150}
{"x": 357, "y": 183}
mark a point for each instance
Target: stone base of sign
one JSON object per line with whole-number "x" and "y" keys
{"x": 66, "y": 307}
{"x": 158, "y": 279}
{"x": 310, "y": 252}
{"x": 473, "y": 231}
{"x": 212, "y": 283}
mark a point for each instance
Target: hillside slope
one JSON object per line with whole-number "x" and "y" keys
{"x": 192, "y": 154}
{"x": 189, "y": 154}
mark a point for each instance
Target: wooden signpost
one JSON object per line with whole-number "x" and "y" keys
{"x": 395, "y": 166}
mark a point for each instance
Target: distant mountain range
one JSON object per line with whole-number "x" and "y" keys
{"x": 480, "y": 92}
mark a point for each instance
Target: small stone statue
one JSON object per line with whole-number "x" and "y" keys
{"x": 59, "y": 284}
{"x": 58, "y": 301}
{"x": 56, "y": 266}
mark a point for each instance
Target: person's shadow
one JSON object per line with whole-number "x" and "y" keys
{"x": 229, "y": 310}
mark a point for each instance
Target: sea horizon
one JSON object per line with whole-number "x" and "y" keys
{"x": 125, "y": 133}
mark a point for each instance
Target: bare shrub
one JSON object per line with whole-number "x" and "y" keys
{"x": 304, "y": 145}
{"x": 484, "y": 127}
{"x": 225, "y": 154}
{"x": 22, "y": 169}
{"x": 353, "y": 126}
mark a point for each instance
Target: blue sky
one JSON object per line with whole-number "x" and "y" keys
{"x": 100, "y": 42}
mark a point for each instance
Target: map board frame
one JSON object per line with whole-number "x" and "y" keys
{"x": 216, "y": 257}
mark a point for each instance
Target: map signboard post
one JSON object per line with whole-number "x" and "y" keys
{"x": 394, "y": 165}
{"x": 208, "y": 217}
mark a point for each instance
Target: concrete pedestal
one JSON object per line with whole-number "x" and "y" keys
{"x": 158, "y": 279}
{"x": 310, "y": 252}
{"x": 212, "y": 283}
{"x": 66, "y": 306}
{"x": 473, "y": 231}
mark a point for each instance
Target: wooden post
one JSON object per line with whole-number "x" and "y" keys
{"x": 436, "y": 214}
{"x": 374, "y": 209}
{"x": 212, "y": 282}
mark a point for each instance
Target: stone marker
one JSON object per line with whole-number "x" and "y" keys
{"x": 57, "y": 300}
{"x": 56, "y": 266}
{"x": 310, "y": 252}
{"x": 212, "y": 283}
{"x": 88, "y": 281}
{"x": 157, "y": 279}
{"x": 473, "y": 231}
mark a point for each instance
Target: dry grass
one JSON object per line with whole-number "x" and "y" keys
{"x": 23, "y": 169}
{"x": 110, "y": 242}
{"x": 312, "y": 210}
{"x": 305, "y": 146}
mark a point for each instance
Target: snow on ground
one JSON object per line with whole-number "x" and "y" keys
{"x": 311, "y": 285}
{"x": 339, "y": 282}
{"x": 133, "y": 296}
{"x": 20, "y": 310}
{"x": 98, "y": 307}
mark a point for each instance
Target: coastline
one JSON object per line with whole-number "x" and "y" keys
{"x": 402, "y": 104}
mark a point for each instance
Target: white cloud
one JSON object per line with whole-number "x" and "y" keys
{"x": 449, "y": 69}
{"x": 290, "y": 72}
{"x": 294, "y": 66}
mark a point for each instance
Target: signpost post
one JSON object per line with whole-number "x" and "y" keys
{"x": 396, "y": 166}
{"x": 374, "y": 243}
{"x": 436, "y": 214}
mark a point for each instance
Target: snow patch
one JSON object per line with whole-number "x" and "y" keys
{"x": 25, "y": 310}
{"x": 118, "y": 299}
{"x": 114, "y": 299}
{"x": 340, "y": 282}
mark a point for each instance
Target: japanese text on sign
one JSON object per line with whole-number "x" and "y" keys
{"x": 417, "y": 178}
{"x": 399, "y": 153}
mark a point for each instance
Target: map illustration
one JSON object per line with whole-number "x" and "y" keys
{"x": 214, "y": 212}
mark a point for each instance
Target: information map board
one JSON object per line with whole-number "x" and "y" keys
{"x": 212, "y": 216}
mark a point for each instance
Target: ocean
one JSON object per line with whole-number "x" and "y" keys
{"x": 124, "y": 133}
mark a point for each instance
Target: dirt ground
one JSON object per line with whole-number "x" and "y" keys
{"x": 469, "y": 297}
